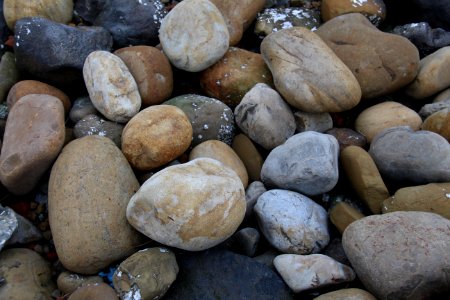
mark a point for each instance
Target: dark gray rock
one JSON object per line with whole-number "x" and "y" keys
{"x": 436, "y": 12}
{"x": 95, "y": 125}
{"x": 81, "y": 108}
{"x": 245, "y": 241}
{"x": 8, "y": 224}
{"x": 25, "y": 233}
{"x": 336, "y": 251}
{"x": 4, "y": 30}
{"x": 252, "y": 193}
{"x": 9, "y": 74}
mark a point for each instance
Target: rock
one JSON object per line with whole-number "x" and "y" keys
{"x": 4, "y": 30}
{"x": 319, "y": 122}
{"x": 25, "y": 274}
{"x": 234, "y": 75}
{"x": 322, "y": 84}
{"x": 25, "y": 233}
{"x": 206, "y": 42}
{"x": 335, "y": 250}
{"x": 225, "y": 154}
{"x": 306, "y": 163}
{"x": 192, "y": 200}
{"x": 249, "y": 155}
{"x": 419, "y": 157}
{"x": 68, "y": 282}
{"x": 432, "y": 77}
{"x": 347, "y": 294}
{"x": 368, "y": 53}
{"x": 9, "y": 74}
{"x": 156, "y": 136}
{"x": 245, "y": 241}
{"x": 34, "y": 136}
{"x": 431, "y": 108}
{"x": 95, "y": 125}
{"x": 252, "y": 193}
{"x": 439, "y": 122}
{"x": 41, "y": 51}
{"x": 433, "y": 197}
{"x": 147, "y": 274}
{"x": 152, "y": 71}
{"x": 210, "y": 118}
{"x": 240, "y": 277}
{"x": 435, "y": 12}
{"x": 379, "y": 117}
{"x": 343, "y": 214}
{"x": 374, "y": 10}
{"x": 81, "y": 108}
{"x": 364, "y": 176}
{"x": 305, "y": 272}
{"x": 347, "y": 137}
{"x": 401, "y": 264}
{"x": 112, "y": 89}
{"x": 443, "y": 96}
{"x": 264, "y": 117}
{"x": 8, "y": 224}
{"x": 56, "y": 10}
{"x": 99, "y": 291}
{"x": 129, "y": 22}
{"x": 90, "y": 185}
{"x": 291, "y": 222}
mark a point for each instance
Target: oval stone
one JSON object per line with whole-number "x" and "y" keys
{"x": 249, "y": 155}
{"x": 374, "y": 10}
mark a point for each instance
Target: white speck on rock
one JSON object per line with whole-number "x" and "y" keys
{"x": 205, "y": 127}
{"x": 447, "y": 195}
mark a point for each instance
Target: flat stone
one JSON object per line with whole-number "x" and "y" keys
{"x": 249, "y": 155}
{"x": 373, "y": 10}
{"x": 343, "y": 214}
{"x": 439, "y": 122}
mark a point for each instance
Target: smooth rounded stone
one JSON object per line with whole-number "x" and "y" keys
{"x": 234, "y": 75}
{"x": 347, "y": 137}
{"x": 89, "y": 189}
{"x": 368, "y": 53}
{"x": 8, "y": 224}
{"x": 291, "y": 222}
{"x": 225, "y": 154}
{"x": 252, "y": 193}
{"x": 275, "y": 19}
{"x": 99, "y": 291}
{"x": 433, "y": 75}
{"x": 319, "y": 122}
{"x": 364, "y": 176}
{"x": 152, "y": 71}
{"x": 439, "y": 122}
{"x": 443, "y": 96}
{"x": 210, "y": 118}
{"x": 147, "y": 274}
{"x": 156, "y": 136}
{"x": 112, "y": 89}
{"x": 41, "y": 51}
{"x": 374, "y": 10}
{"x": 222, "y": 274}
{"x": 249, "y": 155}
{"x": 68, "y": 282}
{"x": 25, "y": 232}
{"x": 347, "y": 294}
{"x": 9, "y": 74}
{"x": 305, "y": 272}
{"x": 192, "y": 200}
{"x": 238, "y": 15}
{"x": 322, "y": 84}
{"x": 34, "y": 136}
{"x": 433, "y": 197}
{"x": 95, "y": 125}
{"x": 264, "y": 117}
{"x": 379, "y": 117}
{"x": 245, "y": 241}
{"x": 25, "y": 275}
{"x": 343, "y": 214}
{"x": 56, "y": 10}
{"x": 401, "y": 264}
{"x": 206, "y": 42}
{"x": 81, "y": 108}
{"x": 306, "y": 163}
{"x": 419, "y": 157}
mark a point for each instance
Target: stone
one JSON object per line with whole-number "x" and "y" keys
{"x": 374, "y": 10}
{"x": 8, "y": 224}
{"x": 319, "y": 122}
{"x": 89, "y": 189}
{"x": 443, "y": 96}
{"x": 335, "y": 250}
{"x": 368, "y": 53}
{"x": 343, "y": 214}
{"x": 34, "y": 136}
{"x": 221, "y": 152}
{"x": 433, "y": 197}
{"x": 230, "y": 78}
{"x": 379, "y": 117}
{"x": 419, "y": 157}
{"x": 25, "y": 274}
{"x": 433, "y": 11}
{"x": 199, "y": 204}
{"x": 25, "y": 232}
{"x": 9, "y": 74}
{"x": 347, "y": 137}
{"x": 306, "y": 163}
{"x": 98, "y": 291}
{"x": 291, "y": 222}
{"x": 241, "y": 277}
{"x": 210, "y": 118}
{"x": 364, "y": 177}
{"x": 305, "y": 272}
{"x": 432, "y": 77}
{"x": 439, "y": 122}
{"x": 208, "y": 37}
{"x": 68, "y": 282}
{"x": 112, "y": 89}
{"x": 156, "y": 136}
{"x": 249, "y": 155}
{"x": 152, "y": 71}
{"x": 431, "y": 108}
{"x": 81, "y": 107}
{"x": 322, "y": 84}
{"x": 147, "y": 274}
{"x": 245, "y": 241}
{"x": 95, "y": 125}
{"x": 264, "y": 117}
{"x": 4, "y": 30}
{"x": 347, "y": 294}
{"x": 252, "y": 193}
{"x": 409, "y": 263}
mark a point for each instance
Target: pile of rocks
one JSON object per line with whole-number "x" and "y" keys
{"x": 205, "y": 149}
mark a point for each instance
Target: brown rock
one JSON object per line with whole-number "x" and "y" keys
{"x": 347, "y": 294}
{"x": 68, "y": 282}
{"x": 343, "y": 214}
{"x": 374, "y": 10}
{"x": 249, "y": 155}
{"x": 100, "y": 291}
{"x": 439, "y": 122}
{"x": 347, "y": 137}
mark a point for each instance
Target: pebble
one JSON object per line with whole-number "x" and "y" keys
{"x": 347, "y": 294}
{"x": 408, "y": 263}
{"x": 68, "y": 282}
{"x": 252, "y": 193}
{"x": 81, "y": 107}
{"x": 291, "y": 222}
{"x": 9, "y": 74}
{"x": 322, "y": 84}
{"x": 373, "y": 10}
{"x": 443, "y": 96}
{"x": 343, "y": 214}
{"x": 25, "y": 232}
{"x": 95, "y": 125}
{"x": 249, "y": 155}
{"x": 265, "y": 117}
{"x": 439, "y": 122}
{"x": 98, "y": 291}
{"x": 347, "y": 137}
{"x": 319, "y": 122}
{"x": 8, "y": 225}
{"x": 245, "y": 241}
{"x": 431, "y": 108}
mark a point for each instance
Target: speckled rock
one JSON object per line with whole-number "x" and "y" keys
{"x": 347, "y": 137}
{"x": 252, "y": 193}
{"x": 374, "y": 10}
{"x": 347, "y": 294}
{"x": 319, "y": 122}
{"x": 95, "y": 125}
{"x": 68, "y": 282}
{"x": 249, "y": 155}
{"x": 100, "y": 291}
{"x": 81, "y": 108}
{"x": 9, "y": 74}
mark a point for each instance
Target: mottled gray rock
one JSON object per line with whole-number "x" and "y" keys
{"x": 81, "y": 107}
{"x": 252, "y": 193}
{"x": 8, "y": 224}
{"x": 431, "y": 108}
{"x": 320, "y": 122}
{"x": 95, "y": 125}
{"x": 9, "y": 74}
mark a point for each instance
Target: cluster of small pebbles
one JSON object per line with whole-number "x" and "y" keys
{"x": 224, "y": 149}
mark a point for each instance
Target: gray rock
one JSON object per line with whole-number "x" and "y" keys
{"x": 307, "y": 163}
{"x": 252, "y": 193}
{"x": 95, "y": 125}
{"x": 9, "y": 74}
{"x": 25, "y": 233}
{"x": 8, "y": 224}
{"x": 245, "y": 241}
{"x": 81, "y": 108}
{"x": 320, "y": 122}
{"x": 335, "y": 250}
{"x": 431, "y": 108}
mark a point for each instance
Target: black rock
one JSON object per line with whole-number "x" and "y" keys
{"x": 4, "y": 30}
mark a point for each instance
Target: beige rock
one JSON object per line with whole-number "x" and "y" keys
{"x": 89, "y": 188}
{"x": 343, "y": 214}
{"x": 68, "y": 282}
{"x": 374, "y": 10}
{"x": 439, "y": 122}
{"x": 249, "y": 155}
{"x": 197, "y": 205}
{"x": 307, "y": 73}
{"x": 156, "y": 136}
{"x": 100, "y": 291}
{"x": 347, "y": 294}
{"x": 379, "y": 117}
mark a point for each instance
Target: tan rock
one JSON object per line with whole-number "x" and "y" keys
{"x": 439, "y": 122}
{"x": 100, "y": 291}
{"x": 68, "y": 282}
{"x": 156, "y": 136}
{"x": 249, "y": 155}
{"x": 343, "y": 214}
{"x": 347, "y": 294}
{"x": 374, "y": 10}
